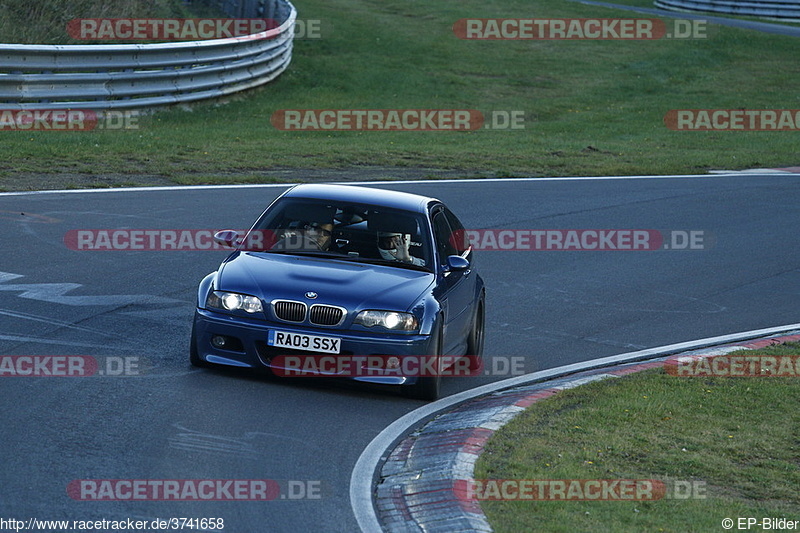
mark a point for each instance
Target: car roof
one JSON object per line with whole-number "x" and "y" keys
{"x": 362, "y": 195}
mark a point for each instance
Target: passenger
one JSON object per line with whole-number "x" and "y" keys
{"x": 394, "y": 247}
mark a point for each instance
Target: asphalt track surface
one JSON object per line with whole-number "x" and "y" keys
{"x": 175, "y": 422}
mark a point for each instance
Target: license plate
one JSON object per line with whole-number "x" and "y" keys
{"x": 300, "y": 341}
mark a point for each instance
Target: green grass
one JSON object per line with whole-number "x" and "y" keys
{"x": 592, "y": 108}
{"x": 738, "y": 436}
{"x": 26, "y": 22}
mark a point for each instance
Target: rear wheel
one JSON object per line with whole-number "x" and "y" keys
{"x": 428, "y": 387}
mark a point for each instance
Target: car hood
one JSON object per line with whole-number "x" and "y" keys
{"x": 352, "y": 285}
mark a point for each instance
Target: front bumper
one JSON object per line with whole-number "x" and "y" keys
{"x": 247, "y": 344}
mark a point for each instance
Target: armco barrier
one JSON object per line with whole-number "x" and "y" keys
{"x": 777, "y": 9}
{"x": 128, "y": 76}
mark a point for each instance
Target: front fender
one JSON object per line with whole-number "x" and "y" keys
{"x": 431, "y": 311}
{"x": 480, "y": 289}
{"x": 205, "y": 287}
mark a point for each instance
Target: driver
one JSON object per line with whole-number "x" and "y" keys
{"x": 313, "y": 236}
{"x": 394, "y": 247}
{"x": 320, "y": 234}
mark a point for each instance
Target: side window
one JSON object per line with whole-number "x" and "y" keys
{"x": 459, "y": 239}
{"x": 444, "y": 237}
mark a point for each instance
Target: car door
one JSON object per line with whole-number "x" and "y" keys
{"x": 457, "y": 286}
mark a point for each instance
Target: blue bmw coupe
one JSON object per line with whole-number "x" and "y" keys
{"x": 345, "y": 273}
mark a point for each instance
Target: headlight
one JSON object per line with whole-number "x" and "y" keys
{"x": 387, "y": 319}
{"x": 231, "y": 301}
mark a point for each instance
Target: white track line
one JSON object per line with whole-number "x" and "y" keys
{"x": 362, "y": 476}
{"x": 390, "y": 182}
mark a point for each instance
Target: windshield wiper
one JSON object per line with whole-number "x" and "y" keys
{"x": 400, "y": 264}
{"x": 305, "y": 253}
{"x": 352, "y": 258}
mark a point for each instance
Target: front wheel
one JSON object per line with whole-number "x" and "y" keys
{"x": 428, "y": 387}
{"x": 476, "y": 334}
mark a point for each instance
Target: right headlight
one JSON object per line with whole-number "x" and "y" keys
{"x": 391, "y": 320}
{"x": 232, "y": 301}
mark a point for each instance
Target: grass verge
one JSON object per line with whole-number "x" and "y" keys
{"x": 738, "y": 437}
{"x": 26, "y": 22}
{"x": 590, "y": 107}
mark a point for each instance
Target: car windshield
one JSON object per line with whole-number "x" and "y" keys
{"x": 343, "y": 231}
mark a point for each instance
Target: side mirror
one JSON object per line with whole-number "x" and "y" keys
{"x": 227, "y": 238}
{"x": 456, "y": 263}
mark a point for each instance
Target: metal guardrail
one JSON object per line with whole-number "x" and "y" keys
{"x": 776, "y": 9}
{"x": 125, "y": 76}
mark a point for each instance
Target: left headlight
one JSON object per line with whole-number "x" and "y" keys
{"x": 388, "y": 319}
{"x": 232, "y": 301}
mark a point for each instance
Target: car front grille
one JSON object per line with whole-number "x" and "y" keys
{"x": 326, "y": 315}
{"x": 320, "y": 315}
{"x": 289, "y": 311}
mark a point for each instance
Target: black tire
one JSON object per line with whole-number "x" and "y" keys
{"x": 194, "y": 356}
{"x": 475, "y": 340}
{"x": 428, "y": 388}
